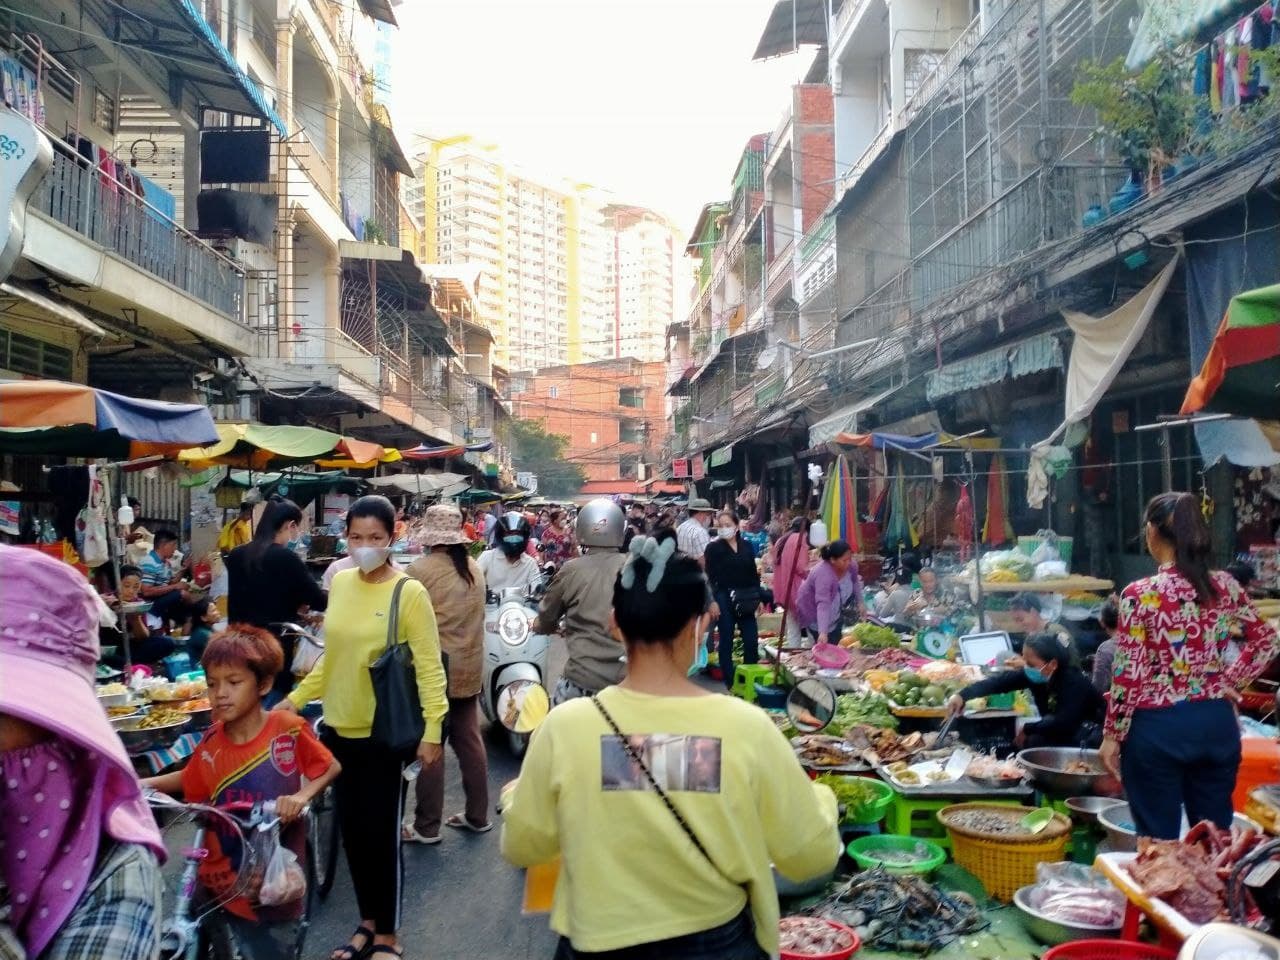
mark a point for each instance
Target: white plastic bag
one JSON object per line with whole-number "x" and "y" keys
{"x": 306, "y": 654}
{"x": 283, "y": 881}
{"x": 1047, "y": 551}
{"x": 92, "y": 523}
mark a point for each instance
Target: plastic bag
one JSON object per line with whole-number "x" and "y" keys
{"x": 1074, "y": 893}
{"x": 91, "y": 525}
{"x": 1048, "y": 549}
{"x": 283, "y": 881}
{"x": 306, "y": 654}
{"x": 1050, "y": 570}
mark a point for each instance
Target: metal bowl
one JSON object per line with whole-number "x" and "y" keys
{"x": 1117, "y": 820}
{"x": 1086, "y": 809}
{"x": 997, "y": 783}
{"x": 1054, "y": 932}
{"x": 148, "y": 738}
{"x": 200, "y": 719}
{"x": 1047, "y": 769}
{"x": 115, "y": 699}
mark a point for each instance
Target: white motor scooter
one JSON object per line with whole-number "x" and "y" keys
{"x": 512, "y": 652}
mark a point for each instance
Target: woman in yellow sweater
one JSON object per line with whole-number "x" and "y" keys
{"x": 666, "y": 803}
{"x": 369, "y": 790}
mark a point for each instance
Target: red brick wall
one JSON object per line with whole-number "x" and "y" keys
{"x": 813, "y": 146}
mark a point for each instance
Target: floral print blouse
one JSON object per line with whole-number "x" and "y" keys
{"x": 1170, "y": 648}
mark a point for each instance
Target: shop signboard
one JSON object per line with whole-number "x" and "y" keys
{"x": 680, "y": 468}
{"x": 699, "y": 467}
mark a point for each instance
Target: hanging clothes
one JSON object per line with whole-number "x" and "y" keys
{"x": 1203, "y": 72}
{"x": 1215, "y": 84}
{"x": 962, "y": 528}
{"x": 997, "y": 529}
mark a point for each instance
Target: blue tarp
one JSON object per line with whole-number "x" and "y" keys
{"x": 155, "y": 421}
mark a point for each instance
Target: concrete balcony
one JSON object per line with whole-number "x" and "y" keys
{"x": 120, "y": 252}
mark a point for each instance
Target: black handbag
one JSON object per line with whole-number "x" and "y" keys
{"x": 398, "y": 725}
{"x": 746, "y": 601}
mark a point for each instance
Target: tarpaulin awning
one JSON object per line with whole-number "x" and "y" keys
{"x": 1102, "y": 345}
{"x": 423, "y": 452}
{"x": 844, "y": 420}
{"x": 65, "y": 312}
{"x": 421, "y": 483}
{"x": 791, "y": 25}
{"x": 258, "y": 446}
{"x": 1169, "y": 22}
{"x": 1241, "y": 373}
{"x": 70, "y": 419}
{"x": 897, "y": 441}
{"x": 1042, "y": 352}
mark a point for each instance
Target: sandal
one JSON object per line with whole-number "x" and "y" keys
{"x": 386, "y": 948}
{"x": 409, "y": 834}
{"x": 459, "y": 821}
{"x": 350, "y": 951}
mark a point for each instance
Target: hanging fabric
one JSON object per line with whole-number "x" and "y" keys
{"x": 997, "y": 529}
{"x": 962, "y": 528}
{"x": 899, "y": 531}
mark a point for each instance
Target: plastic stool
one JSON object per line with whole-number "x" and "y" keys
{"x": 745, "y": 677}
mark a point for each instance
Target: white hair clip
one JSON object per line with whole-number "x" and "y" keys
{"x": 657, "y": 554}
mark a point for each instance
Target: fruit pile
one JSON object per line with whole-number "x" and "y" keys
{"x": 910, "y": 689}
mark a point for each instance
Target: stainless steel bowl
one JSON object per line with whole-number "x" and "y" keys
{"x": 148, "y": 738}
{"x": 997, "y": 783}
{"x": 200, "y": 719}
{"x": 1047, "y": 769}
{"x": 1054, "y": 932}
{"x": 1117, "y": 820}
{"x": 1086, "y": 809}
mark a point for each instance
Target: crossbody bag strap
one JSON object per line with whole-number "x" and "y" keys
{"x": 393, "y": 620}
{"x": 639, "y": 761}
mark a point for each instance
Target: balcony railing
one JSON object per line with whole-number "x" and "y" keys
{"x": 950, "y": 62}
{"x": 106, "y": 211}
{"x": 315, "y": 166}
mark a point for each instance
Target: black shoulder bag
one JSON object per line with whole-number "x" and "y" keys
{"x": 397, "y": 713}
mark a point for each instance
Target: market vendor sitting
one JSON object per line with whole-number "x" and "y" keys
{"x": 928, "y": 597}
{"x": 146, "y": 643}
{"x": 167, "y": 590}
{"x": 894, "y": 597}
{"x": 1071, "y": 709}
{"x": 1027, "y": 609}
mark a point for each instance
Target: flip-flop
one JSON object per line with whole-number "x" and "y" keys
{"x": 459, "y": 821}
{"x": 349, "y": 951}
{"x": 385, "y": 948}
{"x": 411, "y": 835}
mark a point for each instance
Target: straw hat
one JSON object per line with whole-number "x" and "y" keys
{"x": 442, "y": 526}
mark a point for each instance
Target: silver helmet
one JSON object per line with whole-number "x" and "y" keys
{"x": 601, "y": 524}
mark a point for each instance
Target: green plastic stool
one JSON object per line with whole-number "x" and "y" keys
{"x": 745, "y": 677}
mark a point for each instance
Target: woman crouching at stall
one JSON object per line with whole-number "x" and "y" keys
{"x": 1071, "y": 709}
{"x": 666, "y": 803}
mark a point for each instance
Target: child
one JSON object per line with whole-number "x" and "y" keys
{"x": 146, "y": 643}
{"x": 247, "y": 756}
{"x": 202, "y": 624}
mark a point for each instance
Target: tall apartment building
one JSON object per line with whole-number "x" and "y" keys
{"x": 643, "y": 281}
{"x": 543, "y": 248}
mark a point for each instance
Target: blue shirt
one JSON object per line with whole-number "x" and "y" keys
{"x": 759, "y": 540}
{"x": 155, "y": 571}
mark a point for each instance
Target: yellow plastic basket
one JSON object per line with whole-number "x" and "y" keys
{"x": 1003, "y": 864}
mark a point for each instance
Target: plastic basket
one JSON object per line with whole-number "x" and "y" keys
{"x": 863, "y": 850}
{"x": 836, "y": 955}
{"x": 874, "y": 809}
{"x": 1003, "y": 864}
{"x": 1109, "y": 950}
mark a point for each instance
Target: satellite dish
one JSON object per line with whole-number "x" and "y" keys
{"x": 767, "y": 357}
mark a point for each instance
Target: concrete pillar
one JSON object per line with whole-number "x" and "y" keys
{"x": 333, "y": 111}
{"x": 285, "y": 292}
{"x": 331, "y": 321}
{"x": 190, "y": 177}
{"x": 284, "y": 71}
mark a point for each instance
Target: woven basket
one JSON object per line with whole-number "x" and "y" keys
{"x": 1004, "y": 863}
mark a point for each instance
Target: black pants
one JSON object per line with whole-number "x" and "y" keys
{"x": 735, "y": 940}
{"x": 750, "y": 636}
{"x": 1186, "y": 755}
{"x": 370, "y": 805}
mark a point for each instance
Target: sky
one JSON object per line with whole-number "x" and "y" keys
{"x": 653, "y": 100}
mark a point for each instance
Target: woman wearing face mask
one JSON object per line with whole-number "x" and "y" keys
{"x": 1070, "y": 706}
{"x": 369, "y": 789}
{"x": 735, "y": 582}
{"x": 268, "y": 584}
{"x": 79, "y": 874}
{"x": 680, "y": 870}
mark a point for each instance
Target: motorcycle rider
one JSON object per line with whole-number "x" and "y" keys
{"x": 582, "y": 593}
{"x": 508, "y": 565}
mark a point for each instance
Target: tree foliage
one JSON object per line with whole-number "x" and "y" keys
{"x": 541, "y": 453}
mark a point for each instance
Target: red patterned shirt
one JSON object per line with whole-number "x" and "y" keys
{"x": 1171, "y": 648}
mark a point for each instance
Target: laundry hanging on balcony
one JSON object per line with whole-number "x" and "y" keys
{"x": 21, "y": 91}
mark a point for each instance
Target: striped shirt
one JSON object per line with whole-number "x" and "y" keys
{"x": 692, "y": 538}
{"x": 155, "y": 571}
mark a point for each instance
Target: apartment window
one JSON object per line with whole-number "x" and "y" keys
{"x": 33, "y": 357}
{"x": 104, "y": 110}
{"x": 554, "y": 394}
{"x": 593, "y": 437}
{"x": 918, "y": 66}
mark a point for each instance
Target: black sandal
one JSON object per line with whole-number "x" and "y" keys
{"x": 349, "y": 951}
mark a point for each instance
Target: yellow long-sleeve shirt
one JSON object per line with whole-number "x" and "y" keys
{"x": 629, "y": 873}
{"x": 355, "y": 636}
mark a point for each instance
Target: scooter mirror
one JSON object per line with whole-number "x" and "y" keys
{"x": 523, "y": 705}
{"x": 810, "y": 705}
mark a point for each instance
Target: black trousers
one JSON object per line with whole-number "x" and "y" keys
{"x": 1186, "y": 755}
{"x": 735, "y": 940}
{"x": 370, "y": 805}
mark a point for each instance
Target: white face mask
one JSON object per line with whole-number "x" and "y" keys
{"x": 726, "y": 533}
{"x": 369, "y": 559}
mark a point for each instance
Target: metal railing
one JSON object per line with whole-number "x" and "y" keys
{"x": 98, "y": 206}
{"x": 949, "y": 63}
{"x": 315, "y": 166}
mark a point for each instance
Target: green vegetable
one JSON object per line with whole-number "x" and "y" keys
{"x": 853, "y": 793}
{"x": 869, "y": 636}
{"x": 854, "y": 708}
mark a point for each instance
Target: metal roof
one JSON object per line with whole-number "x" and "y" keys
{"x": 792, "y": 25}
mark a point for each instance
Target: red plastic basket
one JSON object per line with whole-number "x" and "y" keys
{"x": 1109, "y": 950}
{"x": 837, "y": 955}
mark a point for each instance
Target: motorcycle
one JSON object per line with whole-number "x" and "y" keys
{"x": 513, "y": 654}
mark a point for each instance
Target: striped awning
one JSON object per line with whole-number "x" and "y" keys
{"x": 1166, "y": 23}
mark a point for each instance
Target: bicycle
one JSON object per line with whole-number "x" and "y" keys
{"x": 191, "y": 932}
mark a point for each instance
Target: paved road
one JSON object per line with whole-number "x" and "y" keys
{"x": 462, "y": 900}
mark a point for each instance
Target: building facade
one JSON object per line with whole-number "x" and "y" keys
{"x": 612, "y": 411}
{"x": 645, "y": 281}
